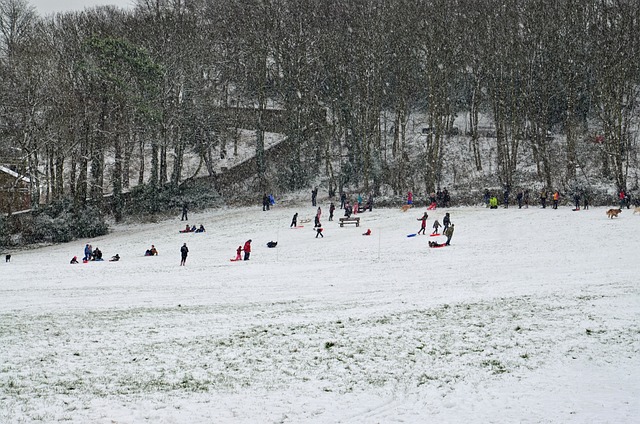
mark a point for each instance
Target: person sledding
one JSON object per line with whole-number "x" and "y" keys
{"x": 436, "y": 225}
{"x": 423, "y": 224}
{"x": 436, "y": 244}
{"x": 115, "y": 258}
{"x": 96, "y": 255}
{"x": 151, "y": 252}
{"x": 367, "y": 233}
{"x": 74, "y": 260}
{"x": 200, "y": 229}
{"x": 187, "y": 229}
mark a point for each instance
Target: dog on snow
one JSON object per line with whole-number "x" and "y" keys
{"x": 614, "y": 212}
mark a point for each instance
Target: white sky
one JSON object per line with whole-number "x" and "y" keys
{"x": 45, "y": 7}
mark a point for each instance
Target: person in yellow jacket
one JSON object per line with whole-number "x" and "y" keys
{"x": 556, "y": 198}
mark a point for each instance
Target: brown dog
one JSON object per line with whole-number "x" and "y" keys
{"x": 405, "y": 208}
{"x": 636, "y": 210}
{"x": 613, "y": 212}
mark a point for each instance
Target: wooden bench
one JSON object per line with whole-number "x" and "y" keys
{"x": 352, "y": 220}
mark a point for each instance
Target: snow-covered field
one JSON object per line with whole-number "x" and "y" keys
{"x": 530, "y": 316}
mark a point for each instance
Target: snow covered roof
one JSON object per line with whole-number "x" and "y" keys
{"x": 14, "y": 174}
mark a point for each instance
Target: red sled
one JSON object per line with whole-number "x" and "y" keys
{"x": 438, "y": 246}
{"x": 436, "y": 234}
{"x": 432, "y": 206}
{"x": 235, "y": 260}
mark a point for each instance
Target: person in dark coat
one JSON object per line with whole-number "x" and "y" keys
{"x": 526, "y": 199}
{"x": 519, "y": 197}
{"x": 319, "y": 232}
{"x": 184, "y": 212}
{"x": 247, "y": 249}
{"x": 343, "y": 199}
{"x": 314, "y": 195}
{"x": 294, "y": 220}
{"x": 184, "y": 251}
{"x": 265, "y": 202}
{"x": 449, "y": 233}
{"x": 446, "y": 197}
{"x": 446, "y": 221}
{"x": 74, "y": 260}
{"x": 423, "y": 225}
{"x": 506, "y": 198}
{"x": 332, "y": 208}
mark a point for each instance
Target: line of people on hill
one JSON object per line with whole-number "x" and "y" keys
{"x": 193, "y": 229}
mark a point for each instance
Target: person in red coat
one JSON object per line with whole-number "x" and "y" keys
{"x": 423, "y": 225}
{"x": 247, "y": 250}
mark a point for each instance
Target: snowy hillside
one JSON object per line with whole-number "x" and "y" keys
{"x": 529, "y": 316}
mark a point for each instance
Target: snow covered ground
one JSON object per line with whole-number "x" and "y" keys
{"x": 531, "y": 316}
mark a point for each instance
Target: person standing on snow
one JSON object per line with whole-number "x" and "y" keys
{"x": 423, "y": 225}
{"x": 247, "y": 250}
{"x": 314, "y": 194}
{"x": 436, "y": 225}
{"x": 294, "y": 220}
{"x": 184, "y": 251}
{"x": 184, "y": 212}
{"x": 332, "y": 208}
{"x": 556, "y": 198}
{"x": 519, "y": 197}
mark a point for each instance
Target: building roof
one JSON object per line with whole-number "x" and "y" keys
{"x": 14, "y": 174}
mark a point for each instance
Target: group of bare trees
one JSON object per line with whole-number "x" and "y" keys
{"x": 91, "y": 96}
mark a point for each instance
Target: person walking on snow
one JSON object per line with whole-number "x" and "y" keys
{"x": 332, "y": 208}
{"x": 449, "y": 233}
{"x": 247, "y": 250}
{"x": 294, "y": 220}
{"x": 238, "y": 253}
{"x": 184, "y": 251}
{"x": 319, "y": 232}
{"x": 436, "y": 225}
{"x": 446, "y": 221}
{"x": 423, "y": 224}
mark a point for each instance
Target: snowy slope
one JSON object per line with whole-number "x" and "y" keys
{"x": 530, "y": 316}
